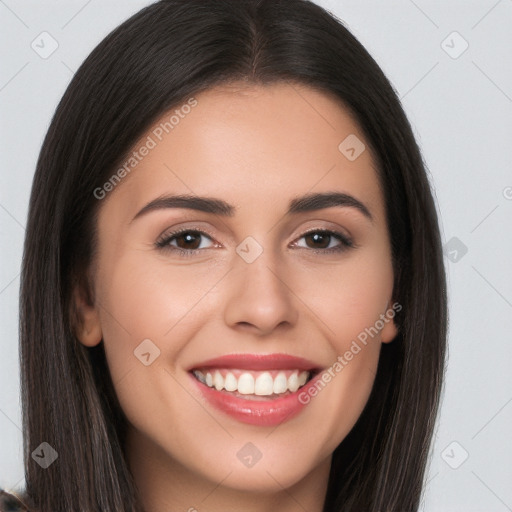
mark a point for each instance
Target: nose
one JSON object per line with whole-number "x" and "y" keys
{"x": 260, "y": 297}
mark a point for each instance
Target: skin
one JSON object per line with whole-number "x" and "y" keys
{"x": 256, "y": 147}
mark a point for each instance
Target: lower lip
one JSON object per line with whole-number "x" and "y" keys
{"x": 256, "y": 412}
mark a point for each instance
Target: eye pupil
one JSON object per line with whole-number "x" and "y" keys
{"x": 189, "y": 236}
{"x": 317, "y": 238}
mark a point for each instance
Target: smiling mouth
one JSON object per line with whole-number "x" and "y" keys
{"x": 256, "y": 389}
{"x": 254, "y": 385}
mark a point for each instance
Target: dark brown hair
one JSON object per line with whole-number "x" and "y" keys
{"x": 158, "y": 58}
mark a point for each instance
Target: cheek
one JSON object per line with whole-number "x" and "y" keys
{"x": 147, "y": 297}
{"x": 349, "y": 297}
{"x": 142, "y": 297}
{"x": 347, "y": 300}
{"x": 148, "y": 303}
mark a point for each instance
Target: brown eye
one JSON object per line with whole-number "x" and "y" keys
{"x": 184, "y": 241}
{"x": 326, "y": 241}
{"x": 320, "y": 240}
{"x": 188, "y": 240}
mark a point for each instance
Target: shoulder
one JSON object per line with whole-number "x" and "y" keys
{"x": 11, "y": 503}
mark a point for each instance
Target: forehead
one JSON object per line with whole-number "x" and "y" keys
{"x": 246, "y": 143}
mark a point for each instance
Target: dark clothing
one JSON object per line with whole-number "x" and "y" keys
{"x": 10, "y": 503}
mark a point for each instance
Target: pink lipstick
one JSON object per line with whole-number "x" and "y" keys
{"x": 254, "y": 388}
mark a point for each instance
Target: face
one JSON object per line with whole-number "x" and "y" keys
{"x": 212, "y": 314}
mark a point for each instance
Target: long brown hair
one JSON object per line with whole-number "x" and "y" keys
{"x": 162, "y": 55}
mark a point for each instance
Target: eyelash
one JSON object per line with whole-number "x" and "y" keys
{"x": 163, "y": 242}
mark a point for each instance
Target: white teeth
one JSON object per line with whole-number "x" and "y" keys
{"x": 246, "y": 384}
{"x": 259, "y": 384}
{"x": 231, "y": 382}
{"x": 264, "y": 384}
{"x": 293, "y": 382}
{"x": 218, "y": 381}
{"x": 280, "y": 383}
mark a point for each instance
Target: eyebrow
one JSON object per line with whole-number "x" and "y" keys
{"x": 301, "y": 204}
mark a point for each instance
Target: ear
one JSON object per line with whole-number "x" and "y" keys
{"x": 85, "y": 317}
{"x": 390, "y": 330}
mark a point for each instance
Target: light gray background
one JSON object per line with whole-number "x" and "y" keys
{"x": 461, "y": 112}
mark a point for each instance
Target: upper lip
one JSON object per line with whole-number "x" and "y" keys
{"x": 258, "y": 362}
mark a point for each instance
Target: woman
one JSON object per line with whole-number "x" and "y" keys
{"x": 233, "y": 293}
